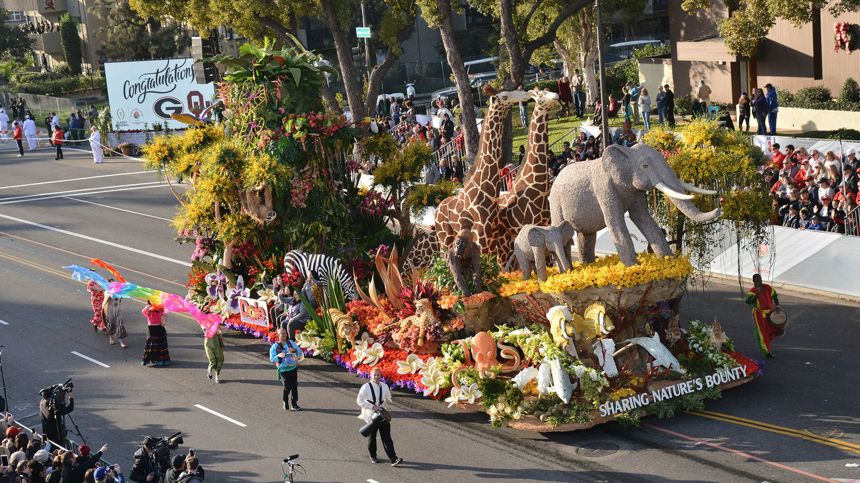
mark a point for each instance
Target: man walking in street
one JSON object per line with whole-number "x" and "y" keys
{"x": 285, "y": 354}
{"x": 764, "y": 300}
{"x": 373, "y": 397}
{"x": 30, "y": 133}
{"x": 4, "y": 124}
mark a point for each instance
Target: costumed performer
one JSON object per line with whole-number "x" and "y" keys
{"x": 155, "y": 351}
{"x": 214, "y": 347}
{"x": 96, "y": 146}
{"x": 764, "y": 300}
{"x": 286, "y": 355}
{"x": 373, "y": 397}
{"x": 115, "y": 321}
{"x": 97, "y": 298}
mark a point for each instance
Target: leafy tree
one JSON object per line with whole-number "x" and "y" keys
{"x": 850, "y": 91}
{"x": 256, "y": 19}
{"x": 439, "y": 14}
{"x": 71, "y": 42}
{"x": 14, "y": 43}
{"x": 751, "y": 20}
{"x": 128, "y": 36}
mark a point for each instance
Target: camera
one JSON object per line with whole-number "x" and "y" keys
{"x": 54, "y": 392}
{"x": 161, "y": 448}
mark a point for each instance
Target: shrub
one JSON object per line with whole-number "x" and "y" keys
{"x": 71, "y": 42}
{"x": 812, "y": 95}
{"x": 850, "y": 91}
{"x": 550, "y": 85}
{"x": 52, "y": 85}
{"x": 845, "y": 133}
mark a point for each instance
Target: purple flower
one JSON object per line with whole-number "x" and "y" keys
{"x": 214, "y": 284}
{"x": 234, "y": 293}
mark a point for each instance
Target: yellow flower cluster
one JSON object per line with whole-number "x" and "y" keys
{"x": 514, "y": 283}
{"x": 603, "y": 272}
{"x": 621, "y": 393}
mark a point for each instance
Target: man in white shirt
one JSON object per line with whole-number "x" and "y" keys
{"x": 30, "y": 133}
{"x": 4, "y": 124}
{"x": 55, "y": 121}
{"x": 410, "y": 91}
{"x": 375, "y": 395}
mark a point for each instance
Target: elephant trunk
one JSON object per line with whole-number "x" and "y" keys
{"x": 690, "y": 211}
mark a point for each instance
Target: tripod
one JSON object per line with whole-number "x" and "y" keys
{"x": 77, "y": 429}
{"x": 5, "y": 405}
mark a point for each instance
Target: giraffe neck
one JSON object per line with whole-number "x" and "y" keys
{"x": 535, "y": 163}
{"x": 484, "y": 182}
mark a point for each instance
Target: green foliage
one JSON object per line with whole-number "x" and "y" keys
{"x": 15, "y": 44}
{"x": 652, "y": 50}
{"x": 423, "y": 195}
{"x": 618, "y": 74}
{"x": 550, "y": 85}
{"x": 404, "y": 167}
{"x": 128, "y": 36}
{"x": 850, "y": 91}
{"x": 441, "y": 276}
{"x": 844, "y": 133}
{"x": 551, "y": 410}
{"x": 819, "y": 98}
{"x": 55, "y": 84}
{"x": 71, "y": 43}
{"x": 814, "y": 94}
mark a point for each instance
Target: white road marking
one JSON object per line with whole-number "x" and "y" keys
{"x": 80, "y": 190}
{"x": 372, "y": 481}
{"x": 115, "y": 208}
{"x": 216, "y": 413}
{"x": 89, "y": 193}
{"x": 4, "y": 322}
{"x": 91, "y": 359}
{"x": 97, "y": 240}
{"x": 72, "y": 179}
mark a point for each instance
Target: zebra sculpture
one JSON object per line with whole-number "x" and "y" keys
{"x": 326, "y": 268}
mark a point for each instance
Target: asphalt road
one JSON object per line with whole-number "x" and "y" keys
{"x": 799, "y": 422}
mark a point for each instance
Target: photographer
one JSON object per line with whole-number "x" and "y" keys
{"x": 144, "y": 467}
{"x": 193, "y": 471}
{"x": 56, "y": 402}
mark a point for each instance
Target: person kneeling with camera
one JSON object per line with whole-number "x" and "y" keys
{"x": 372, "y": 399}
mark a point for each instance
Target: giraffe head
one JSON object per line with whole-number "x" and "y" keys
{"x": 544, "y": 99}
{"x": 506, "y": 99}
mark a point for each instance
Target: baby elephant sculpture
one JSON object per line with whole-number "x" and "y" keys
{"x": 532, "y": 244}
{"x": 594, "y": 194}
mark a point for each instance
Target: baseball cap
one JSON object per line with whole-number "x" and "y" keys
{"x": 42, "y": 456}
{"x": 12, "y": 431}
{"x": 84, "y": 450}
{"x": 100, "y": 473}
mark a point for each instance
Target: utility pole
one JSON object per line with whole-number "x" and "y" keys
{"x": 367, "y": 53}
{"x": 604, "y": 107}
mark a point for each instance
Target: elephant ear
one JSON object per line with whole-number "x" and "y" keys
{"x": 567, "y": 231}
{"x": 536, "y": 236}
{"x": 616, "y": 163}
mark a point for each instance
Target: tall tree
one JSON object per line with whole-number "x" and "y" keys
{"x": 14, "y": 42}
{"x": 438, "y": 14}
{"x": 577, "y": 45}
{"x": 128, "y": 36}
{"x": 751, "y": 20}
{"x": 256, "y": 19}
{"x": 71, "y": 43}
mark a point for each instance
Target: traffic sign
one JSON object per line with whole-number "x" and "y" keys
{"x": 362, "y": 32}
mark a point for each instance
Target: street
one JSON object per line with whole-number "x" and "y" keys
{"x": 799, "y": 422}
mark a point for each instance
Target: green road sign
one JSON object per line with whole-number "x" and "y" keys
{"x": 362, "y": 32}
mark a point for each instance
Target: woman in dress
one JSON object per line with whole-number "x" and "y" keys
{"x": 97, "y": 297}
{"x": 96, "y": 146}
{"x": 115, "y": 321}
{"x": 214, "y": 347}
{"x": 155, "y": 351}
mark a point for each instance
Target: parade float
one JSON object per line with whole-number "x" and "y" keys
{"x": 481, "y": 320}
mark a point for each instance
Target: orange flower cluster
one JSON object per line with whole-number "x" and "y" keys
{"x": 371, "y": 318}
{"x": 448, "y": 301}
{"x": 478, "y": 298}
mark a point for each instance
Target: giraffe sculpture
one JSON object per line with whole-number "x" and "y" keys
{"x": 527, "y": 203}
{"x": 477, "y": 205}
{"x": 425, "y": 244}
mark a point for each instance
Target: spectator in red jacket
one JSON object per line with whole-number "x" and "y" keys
{"x": 18, "y": 136}
{"x": 776, "y": 156}
{"x": 57, "y": 140}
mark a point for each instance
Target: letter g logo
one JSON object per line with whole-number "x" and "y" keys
{"x": 166, "y": 106}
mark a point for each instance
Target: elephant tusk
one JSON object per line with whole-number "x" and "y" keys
{"x": 672, "y": 193}
{"x": 695, "y": 189}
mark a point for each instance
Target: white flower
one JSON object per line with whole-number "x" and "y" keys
{"x": 578, "y": 370}
{"x": 222, "y": 308}
{"x": 470, "y": 393}
{"x": 373, "y": 354}
{"x": 309, "y": 342}
{"x": 433, "y": 380}
{"x": 594, "y": 375}
{"x": 363, "y": 343}
{"x": 411, "y": 365}
{"x": 521, "y": 331}
{"x": 454, "y": 398}
{"x": 267, "y": 295}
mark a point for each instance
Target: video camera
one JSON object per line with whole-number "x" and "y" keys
{"x": 161, "y": 448}
{"x": 54, "y": 392}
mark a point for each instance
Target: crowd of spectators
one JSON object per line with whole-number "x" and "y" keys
{"x": 811, "y": 191}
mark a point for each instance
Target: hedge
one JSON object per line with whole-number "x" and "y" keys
{"x": 47, "y": 85}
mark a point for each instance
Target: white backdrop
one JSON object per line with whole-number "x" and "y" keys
{"x": 143, "y": 93}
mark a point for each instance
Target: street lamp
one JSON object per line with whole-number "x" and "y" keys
{"x": 604, "y": 109}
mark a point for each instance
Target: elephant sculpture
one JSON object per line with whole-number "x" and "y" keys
{"x": 533, "y": 242}
{"x": 595, "y": 194}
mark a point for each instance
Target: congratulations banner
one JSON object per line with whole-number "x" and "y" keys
{"x": 144, "y": 93}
